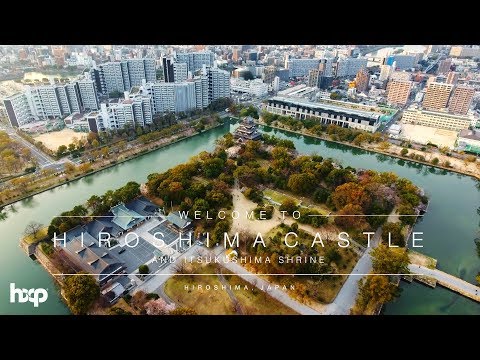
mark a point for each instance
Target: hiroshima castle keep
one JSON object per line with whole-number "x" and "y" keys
{"x": 247, "y": 130}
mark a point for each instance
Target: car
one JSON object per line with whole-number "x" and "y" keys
{"x": 122, "y": 250}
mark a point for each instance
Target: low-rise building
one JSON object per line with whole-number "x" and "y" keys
{"x": 325, "y": 113}
{"x": 437, "y": 119}
{"x": 469, "y": 140}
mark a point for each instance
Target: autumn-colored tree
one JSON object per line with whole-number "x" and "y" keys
{"x": 375, "y": 290}
{"x": 303, "y": 183}
{"x": 387, "y": 260}
{"x": 393, "y": 232}
{"x": 351, "y": 193}
{"x": 70, "y": 168}
{"x": 81, "y": 292}
{"x": 289, "y": 205}
{"x": 352, "y": 220}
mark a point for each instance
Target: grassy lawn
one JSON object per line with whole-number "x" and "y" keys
{"x": 315, "y": 288}
{"x": 204, "y": 302}
{"x": 255, "y": 301}
{"x": 217, "y": 302}
{"x": 277, "y": 196}
{"x": 42, "y": 233}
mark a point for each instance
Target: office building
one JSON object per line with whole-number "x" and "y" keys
{"x": 326, "y": 67}
{"x": 301, "y": 67}
{"x": 276, "y": 84}
{"x": 180, "y": 72}
{"x": 444, "y": 66}
{"x": 404, "y": 62}
{"x": 452, "y": 77}
{"x": 268, "y": 74}
{"x": 254, "y": 87}
{"x": 168, "y": 74}
{"x": 436, "y": 96}
{"x": 440, "y": 120}
{"x": 235, "y": 55}
{"x": 461, "y": 99}
{"x": 324, "y": 113}
{"x": 313, "y": 77}
{"x": 283, "y": 74}
{"x": 465, "y": 51}
{"x": 385, "y": 72}
{"x": 350, "y": 66}
{"x": 196, "y": 60}
{"x": 398, "y": 92}
{"x": 362, "y": 80}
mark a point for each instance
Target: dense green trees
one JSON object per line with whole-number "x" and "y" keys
{"x": 81, "y": 292}
{"x": 249, "y": 111}
{"x": 388, "y": 260}
{"x": 393, "y": 232}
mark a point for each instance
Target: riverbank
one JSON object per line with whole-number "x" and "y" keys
{"x": 109, "y": 165}
{"x": 378, "y": 151}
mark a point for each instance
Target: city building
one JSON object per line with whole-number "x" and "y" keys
{"x": 465, "y": 51}
{"x": 469, "y": 140}
{"x": 235, "y": 55}
{"x": 313, "y": 77}
{"x": 218, "y": 83}
{"x": 196, "y": 60}
{"x": 325, "y": 113}
{"x": 440, "y": 120}
{"x": 350, "y": 66}
{"x": 301, "y": 67}
{"x": 400, "y": 75}
{"x": 276, "y": 84}
{"x": 268, "y": 74}
{"x": 247, "y": 131}
{"x": 398, "y": 92}
{"x": 326, "y": 67}
{"x": 120, "y": 76}
{"x": 452, "y": 77}
{"x": 362, "y": 80}
{"x": 436, "y": 96}
{"x": 444, "y": 66}
{"x": 283, "y": 74}
{"x": 403, "y": 62}
{"x": 168, "y": 74}
{"x": 18, "y": 110}
{"x": 180, "y": 72}
{"x": 254, "y": 87}
{"x": 461, "y": 99}
{"x": 385, "y": 72}
{"x": 87, "y": 96}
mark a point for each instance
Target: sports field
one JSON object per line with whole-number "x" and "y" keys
{"x": 54, "y": 139}
{"x": 425, "y": 134}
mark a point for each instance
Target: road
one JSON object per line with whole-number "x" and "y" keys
{"x": 449, "y": 281}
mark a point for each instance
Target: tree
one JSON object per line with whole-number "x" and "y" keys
{"x": 95, "y": 143}
{"x": 183, "y": 311}
{"x": 404, "y": 152}
{"x": 447, "y": 164}
{"x": 302, "y": 183}
{"x": 70, "y": 168}
{"x": 289, "y": 205}
{"x": 435, "y": 161}
{"x": 143, "y": 269}
{"x": 247, "y": 75}
{"x": 478, "y": 278}
{"x": 387, "y": 260}
{"x": 71, "y": 147}
{"x": 358, "y": 223}
{"x": 158, "y": 307}
{"x": 61, "y": 150}
{"x": 81, "y": 292}
{"x": 375, "y": 290}
{"x": 394, "y": 232}
{"x": 32, "y": 229}
{"x": 384, "y": 145}
{"x": 351, "y": 193}
{"x": 406, "y": 208}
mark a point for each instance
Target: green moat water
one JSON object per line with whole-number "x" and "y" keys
{"x": 449, "y": 227}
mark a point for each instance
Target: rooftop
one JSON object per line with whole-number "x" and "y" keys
{"x": 322, "y": 106}
{"x": 180, "y": 221}
{"x": 469, "y": 134}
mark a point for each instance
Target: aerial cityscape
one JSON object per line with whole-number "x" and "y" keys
{"x": 240, "y": 179}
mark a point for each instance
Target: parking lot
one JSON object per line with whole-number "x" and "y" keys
{"x": 133, "y": 257}
{"x": 169, "y": 236}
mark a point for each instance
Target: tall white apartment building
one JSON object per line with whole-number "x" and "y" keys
{"x": 73, "y": 95}
{"x": 254, "y": 87}
{"x": 43, "y": 101}
{"x": 18, "y": 109}
{"x": 172, "y": 97}
{"x": 180, "y": 71}
{"x": 218, "y": 84}
{"x": 88, "y": 95}
{"x": 196, "y": 60}
{"x": 201, "y": 92}
{"x": 122, "y": 75}
{"x": 385, "y": 72}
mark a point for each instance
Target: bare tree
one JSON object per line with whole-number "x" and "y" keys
{"x": 32, "y": 229}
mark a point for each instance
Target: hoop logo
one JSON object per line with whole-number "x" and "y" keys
{"x": 35, "y": 296}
